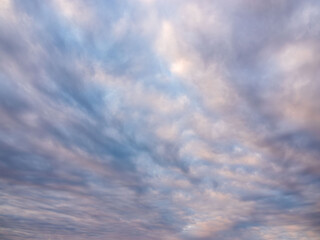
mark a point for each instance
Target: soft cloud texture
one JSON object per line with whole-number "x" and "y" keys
{"x": 160, "y": 119}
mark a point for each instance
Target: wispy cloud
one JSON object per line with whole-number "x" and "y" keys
{"x": 159, "y": 119}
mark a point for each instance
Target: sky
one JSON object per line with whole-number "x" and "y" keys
{"x": 159, "y": 120}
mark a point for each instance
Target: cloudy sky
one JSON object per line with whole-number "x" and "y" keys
{"x": 160, "y": 119}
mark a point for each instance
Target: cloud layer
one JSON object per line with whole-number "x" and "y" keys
{"x": 149, "y": 119}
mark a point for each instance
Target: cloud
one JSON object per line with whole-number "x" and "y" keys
{"x": 159, "y": 120}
